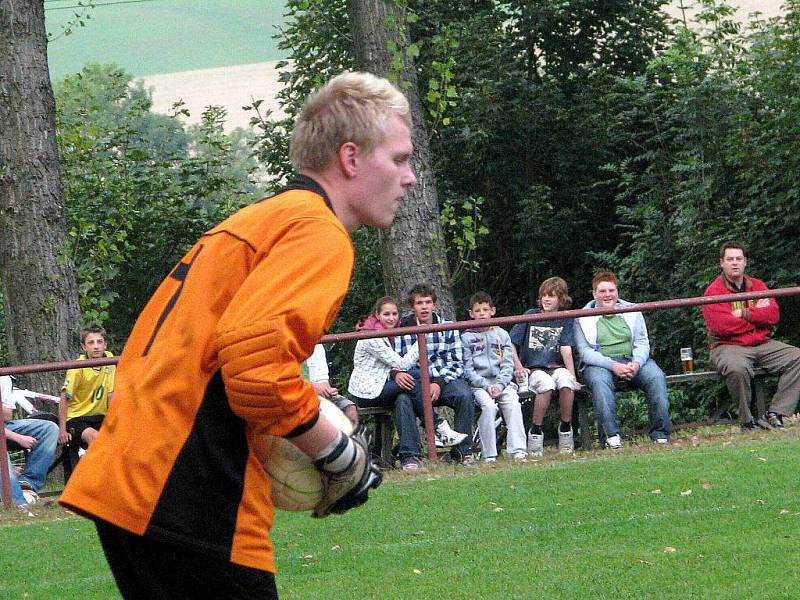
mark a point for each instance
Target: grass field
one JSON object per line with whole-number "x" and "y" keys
{"x": 717, "y": 515}
{"x": 164, "y": 36}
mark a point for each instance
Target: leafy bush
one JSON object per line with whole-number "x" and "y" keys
{"x": 140, "y": 188}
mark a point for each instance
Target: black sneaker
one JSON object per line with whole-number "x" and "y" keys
{"x": 759, "y": 423}
{"x": 763, "y": 423}
{"x": 775, "y": 420}
{"x": 458, "y": 458}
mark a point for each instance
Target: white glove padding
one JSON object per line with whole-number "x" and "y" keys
{"x": 348, "y": 486}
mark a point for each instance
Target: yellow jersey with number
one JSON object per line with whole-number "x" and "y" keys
{"x": 87, "y": 389}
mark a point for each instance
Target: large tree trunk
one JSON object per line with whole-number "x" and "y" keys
{"x": 412, "y": 251}
{"x": 41, "y": 299}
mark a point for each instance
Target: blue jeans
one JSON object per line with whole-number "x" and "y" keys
{"x": 41, "y": 456}
{"x": 405, "y": 420}
{"x": 650, "y": 379}
{"x": 16, "y": 491}
{"x": 457, "y": 395}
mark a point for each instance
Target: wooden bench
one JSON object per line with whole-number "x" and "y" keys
{"x": 759, "y": 389}
{"x": 382, "y": 435}
{"x": 383, "y": 432}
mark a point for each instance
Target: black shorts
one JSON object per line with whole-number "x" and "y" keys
{"x": 76, "y": 425}
{"x": 145, "y": 568}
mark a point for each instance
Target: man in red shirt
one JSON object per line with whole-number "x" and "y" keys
{"x": 740, "y": 341}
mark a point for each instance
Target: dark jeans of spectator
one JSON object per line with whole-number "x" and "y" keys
{"x": 405, "y": 420}
{"x": 457, "y": 395}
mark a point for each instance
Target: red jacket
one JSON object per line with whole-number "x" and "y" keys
{"x": 752, "y": 328}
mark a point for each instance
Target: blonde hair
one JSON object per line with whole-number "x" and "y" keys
{"x": 351, "y": 107}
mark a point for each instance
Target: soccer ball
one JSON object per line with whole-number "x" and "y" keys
{"x": 296, "y": 482}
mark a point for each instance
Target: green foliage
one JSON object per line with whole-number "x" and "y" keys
{"x": 685, "y": 406}
{"x": 462, "y": 220}
{"x": 317, "y": 38}
{"x": 570, "y": 41}
{"x": 139, "y": 189}
{"x": 530, "y": 133}
{"x": 79, "y": 18}
{"x": 710, "y": 154}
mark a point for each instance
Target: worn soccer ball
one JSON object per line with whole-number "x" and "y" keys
{"x": 296, "y": 482}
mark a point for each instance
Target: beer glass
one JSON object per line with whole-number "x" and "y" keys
{"x": 687, "y": 360}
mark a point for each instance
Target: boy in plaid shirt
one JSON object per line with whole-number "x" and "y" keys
{"x": 445, "y": 366}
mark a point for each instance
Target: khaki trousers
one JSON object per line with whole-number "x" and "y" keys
{"x": 737, "y": 363}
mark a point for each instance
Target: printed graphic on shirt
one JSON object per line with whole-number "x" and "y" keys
{"x": 546, "y": 339}
{"x": 479, "y": 346}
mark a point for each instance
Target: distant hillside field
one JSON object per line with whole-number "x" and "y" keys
{"x": 229, "y": 87}
{"x": 204, "y": 52}
{"x": 164, "y": 36}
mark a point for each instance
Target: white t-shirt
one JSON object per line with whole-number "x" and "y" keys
{"x": 5, "y": 392}
{"x": 317, "y": 365}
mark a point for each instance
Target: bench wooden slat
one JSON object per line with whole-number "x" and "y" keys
{"x": 693, "y": 376}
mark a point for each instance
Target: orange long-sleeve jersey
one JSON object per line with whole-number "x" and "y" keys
{"x": 214, "y": 360}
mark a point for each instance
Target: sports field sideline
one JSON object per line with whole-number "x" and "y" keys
{"x": 715, "y": 515}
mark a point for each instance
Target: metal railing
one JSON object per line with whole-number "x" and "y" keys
{"x": 423, "y": 347}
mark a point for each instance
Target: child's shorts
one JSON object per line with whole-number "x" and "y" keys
{"x": 541, "y": 381}
{"x": 76, "y": 425}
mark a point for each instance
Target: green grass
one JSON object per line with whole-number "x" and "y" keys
{"x": 164, "y": 36}
{"x": 53, "y": 560}
{"x": 566, "y": 528}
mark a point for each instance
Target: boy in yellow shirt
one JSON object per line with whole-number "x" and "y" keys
{"x": 86, "y": 392}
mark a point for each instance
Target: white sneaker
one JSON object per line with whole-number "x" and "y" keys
{"x": 661, "y": 441}
{"x": 520, "y": 457}
{"x": 566, "y": 442}
{"x": 536, "y": 444}
{"x": 30, "y": 496}
{"x": 614, "y": 442}
{"x": 446, "y": 437}
{"x": 490, "y": 460}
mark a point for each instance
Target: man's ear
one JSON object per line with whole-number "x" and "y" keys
{"x": 348, "y": 159}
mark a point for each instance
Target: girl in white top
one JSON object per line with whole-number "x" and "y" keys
{"x": 374, "y": 359}
{"x": 371, "y": 384}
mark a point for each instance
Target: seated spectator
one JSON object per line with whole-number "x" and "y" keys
{"x": 544, "y": 351}
{"x": 316, "y": 369}
{"x": 489, "y": 368}
{"x": 373, "y": 383}
{"x": 86, "y": 392}
{"x": 39, "y": 437}
{"x": 616, "y": 348}
{"x": 740, "y": 340}
{"x": 445, "y": 367}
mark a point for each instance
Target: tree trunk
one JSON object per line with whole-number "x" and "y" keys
{"x": 412, "y": 251}
{"x": 38, "y": 281}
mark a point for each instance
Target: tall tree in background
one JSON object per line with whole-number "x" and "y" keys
{"x": 41, "y": 303}
{"x": 412, "y": 250}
